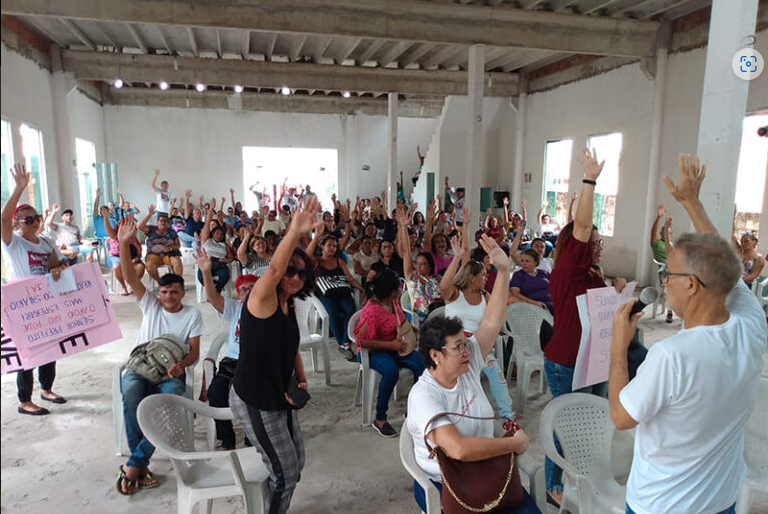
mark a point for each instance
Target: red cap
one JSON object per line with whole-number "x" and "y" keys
{"x": 20, "y": 207}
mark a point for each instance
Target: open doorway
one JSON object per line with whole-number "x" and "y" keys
{"x": 751, "y": 176}
{"x": 266, "y": 169}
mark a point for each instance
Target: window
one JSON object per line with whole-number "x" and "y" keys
{"x": 750, "y": 178}
{"x": 85, "y": 155}
{"x": 32, "y": 148}
{"x": 608, "y": 148}
{"x": 6, "y": 161}
{"x": 557, "y": 170}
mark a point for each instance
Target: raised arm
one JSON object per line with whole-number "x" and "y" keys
{"x": 582, "y": 224}
{"x": 655, "y": 228}
{"x": 318, "y": 227}
{"x": 524, "y": 209}
{"x": 96, "y": 211}
{"x": 448, "y": 291}
{"x": 571, "y": 203}
{"x": 430, "y": 223}
{"x": 126, "y": 229}
{"x": 497, "y": 304}
{"x": 50, "y": 216}
{"x": 154, "y": 180}
{"x": 21, "y": 179}
{"x": 667, "y": 239}
{"x": 206, "y": 232}
{"x": 143, "y": 223}
{"x": 687, "y": 192}
{"x": 204, "y": 265}
{"x": 506, "y": 213}
{"x": 232, "y": 197}
{"x": 488, "y": 214}
{"x": 187, "y": 204}
{"x": 403, "y": 245}
{"x": 544, "y": 205}
{"x": 514, "y": 252}
{"x": 120, "y": 198}
{"x": 242, "y": 250}
{"x": 111, "y": 231}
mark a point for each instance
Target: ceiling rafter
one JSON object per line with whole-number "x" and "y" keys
{"x": 137, "y": 37}
{"x": 347, "y": 50}
{"x": 79, "y": 34}
{"x": 193, "y": 42}
{"x": 245, "y": 44}
{"x": 395, "y": 52}
{"x": 321, "y": 48}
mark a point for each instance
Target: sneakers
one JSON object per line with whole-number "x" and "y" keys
{"x": 385, "y": 430}
{"x": 669, "y": 316}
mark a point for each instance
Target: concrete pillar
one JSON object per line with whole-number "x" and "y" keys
{"x": 392, "y": 171}
{"x": 517, "y": 179}
{"x": 723, "y": 107}
{"x": 475, "y": 75}
{"x": 63, "y": 189}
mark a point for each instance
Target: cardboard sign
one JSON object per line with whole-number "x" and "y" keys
{"x": 23, "y": 353}
{"x": 596, "y": 310}
{"x": 34, "y": 315}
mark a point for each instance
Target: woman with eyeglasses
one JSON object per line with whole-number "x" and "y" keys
{"x": 451, "y": 383}
{"x": 30, "y": 254}
{"x": 466, "y": 298}
{"x": 269, "y": 360}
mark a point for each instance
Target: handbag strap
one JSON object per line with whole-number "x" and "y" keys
{"x": 441, "y": 414}
{"x": 394, "y": 308}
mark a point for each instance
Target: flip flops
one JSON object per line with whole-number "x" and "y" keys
{"x": 129, "y": 484}
{"x": 148, "y": 476}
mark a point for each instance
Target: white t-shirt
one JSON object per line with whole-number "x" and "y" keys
{"x": 545, "y": 264}
{"x": 275, "y": 226}
{"x": 163, "y": 200}
{"x": 428, "y": 398}
{"x": 27, "y": 258}
{"x": 692, "y": 397}
{"x": 232, "y": 310}
{"x": 215, "y": 249}
{"x": 366, "y": 260}
{"x": 547, "y": 227}
{"x": 470, "y": 315}
{"x": 182, "y": 325}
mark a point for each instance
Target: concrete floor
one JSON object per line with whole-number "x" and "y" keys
{"x": 65, "y": 462}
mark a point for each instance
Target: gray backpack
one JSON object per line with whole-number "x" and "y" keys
{"x": 152, "y": 360}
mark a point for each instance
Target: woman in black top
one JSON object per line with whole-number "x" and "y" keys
{"x": 269, "y": 356}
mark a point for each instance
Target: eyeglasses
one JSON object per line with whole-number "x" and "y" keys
{"x": 460, "y": 348}
{"x": 30, "y": 219}
{"x": 664, "y": 277}
{"x": 597, "y": 243}
{"x": 292, "y": 271}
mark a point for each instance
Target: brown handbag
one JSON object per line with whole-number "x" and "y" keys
{"x": 405, "y": 334}
{"x": 480, "y": 486}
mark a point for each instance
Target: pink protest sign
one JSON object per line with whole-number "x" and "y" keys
{"x": 19, "y": 356}
{"x": 596, "y": 311}
{"x": 34, "y": 315}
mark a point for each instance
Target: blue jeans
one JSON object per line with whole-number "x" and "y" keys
{"x": 188, "y": 241}
{"x": 136, "y": 388}
{"x": 527, "y": 506}
{"x": 388, "y": 364}
{"x": 339, "y": 310}
{"x": 729, "y": 510}
{"x": 220, "y": 277}
{"x": 559, "y": 379}
{"x": 498, "y": 386}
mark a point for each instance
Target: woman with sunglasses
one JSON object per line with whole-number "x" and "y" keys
{"x": 269, "y": 360}
{"x": 466, "y": 298}
{"x": 30, "y": 254}
{"x": 451, "y": 383}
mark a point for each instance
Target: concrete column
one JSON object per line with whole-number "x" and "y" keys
{"x": 475, "y": 75}
{"x": 723, "y": 107}
{"x": 517, "y": 180}
{"x": 652, "y": 194}
{"x": 392, "y": 171}
{"x": 62, "y": 190}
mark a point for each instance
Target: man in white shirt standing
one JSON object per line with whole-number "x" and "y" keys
{"x": 693, "y": 394}
{"x": 163, "y": 197}
{"x": 162, "y": 315}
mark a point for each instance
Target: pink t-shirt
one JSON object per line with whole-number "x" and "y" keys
{"x": 380, "y": 324}
{"x": 441, "y": 263}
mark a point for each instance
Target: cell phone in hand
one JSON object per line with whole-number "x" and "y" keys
{"x": 298, "y": 396}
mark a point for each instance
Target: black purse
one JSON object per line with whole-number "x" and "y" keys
{"x": 298, "y": 396}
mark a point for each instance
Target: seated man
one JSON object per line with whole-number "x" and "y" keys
{"x": 272, "y": 225}
{"x": 67, "y": 236}
{"x": 162, "y": 314}
{"x": 693, "y": 395}
{"x": 229, "y": 310}
{"x": 190, "y": 236}
{"x": 162, "y": 245}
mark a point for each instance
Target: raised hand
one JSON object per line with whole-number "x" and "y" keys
{"x": 201, "y": 199}
{"x": 20, "y": 175}
{"x": 506, "y": 201}
{"x": 589, "y": 162}
{"x": 212, "y": 205}
{"x": 151, "y": 209}
{"x": 488, "y": 211}
{"x": 55, "y": 208}
{"x": 457, "y": 246}
{"x": 203, "y": 260}
{"x": 232, "y": 190}
{"x": 691, "y": 176}
{"x": 305, "y": 216}
{"x": 157, "y": 172}
{"x": 668, "y": 221}
{"x": 498, "y": 257}
{"x": 319, "y": 227}
{"x": 126, "y": 228}
{"x": 523, "y": 203}
{"x": 574, "y": 196}
{"x": 188, "y": 194}
{"x": 466, "y": 214}
{"x": 98, "y": 192}
{"x": 661, "y": 211}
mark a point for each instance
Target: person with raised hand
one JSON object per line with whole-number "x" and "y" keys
{"x": 695, "y": 391}
{"x": 30, "y": 254}
{"x": 162, "y": 244}
{"x": 423, "y": 285}
{"x": 214, "y": 239}
{"x": 269, "y": 357}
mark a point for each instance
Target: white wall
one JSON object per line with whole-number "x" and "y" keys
{"x": 202, "y": 149}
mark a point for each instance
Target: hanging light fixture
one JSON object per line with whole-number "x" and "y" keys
{"x": 163, "y": 85}
{"x": 118, "y": 83}
{"x": 238, "y": 88}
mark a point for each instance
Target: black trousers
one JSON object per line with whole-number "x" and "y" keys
{"x": 46, "y": 374}
{"x": 218, "y": 396}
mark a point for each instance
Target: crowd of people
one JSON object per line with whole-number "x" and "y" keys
{"x": 397, "y": 268}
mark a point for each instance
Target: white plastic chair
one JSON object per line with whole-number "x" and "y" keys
{"x": 117, "y": 401}
{"x": 760, "y": 288}
{"x": 583, "y": 425}
{"x": 201, "y": 475}
{"x": 260, "y": 271}
{"x": 660, "y": 302}
{"x": 313, "y": 337}
{"x": 161, "y": 270}
{"x": 523, "y": 323}
{"x": 366, "y": 376}
{"x": 755, "y": 450}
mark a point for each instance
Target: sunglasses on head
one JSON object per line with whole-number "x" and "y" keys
{"x": 30, "y": 219}
{"x": 294, "y": 271}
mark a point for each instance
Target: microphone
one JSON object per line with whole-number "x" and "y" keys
{"x": 647, "y": 296}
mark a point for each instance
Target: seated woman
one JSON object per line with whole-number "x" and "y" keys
{"x": 113, "y": 259}
{"x": 465, "y": 298}
{"x": 423, "y": 285}
{"x": 492, "y": 226}
{"x": 389, "y": 259}
{"x": 452, "y": 384}
{"x": 751, "y": 260}
{"x": 214, "y": 239}
{"x": 252, "y": 253}
{"x": 333, "y": 287}
{"x": 376, "y": 331}
{"x": 365, "y": 257}
{"x": 531, "y": 284}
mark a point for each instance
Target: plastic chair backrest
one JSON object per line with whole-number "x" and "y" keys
{"x": 306, "y": 316}
{"x": 260, "y": 271}
{"x": 405, "y": 302}
{"x": 351, "y": 326}
{"x": 582, "y": 423}
{"x": 523, "y": 321}
{"x": 217, "y": 344}
{"x": 408, "y": 458}
{"x": 756, "y": 437}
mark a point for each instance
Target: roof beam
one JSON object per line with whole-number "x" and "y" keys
{"x": 106, "y": 36}
{"x": 369, "y": 52}
{"x": 164, "y": 39}
{"x": 193, "y": 42}
{"x": 245, "y": 44}
{"x": 415, "y": 53}
{"x": 270, "y": 46}
{"x": 78, "y": 33}
{"x": 321, "y": 48}
{"x": 393, "y": 53}
{"x": 347, "y": 50}
{"x": 225, "y": 72}
{"x": 219, "y": 51}
{"x": 315, "y": 104}
{"x": 389, "y": 19}
{"x": 297, "y": 44}
{"x": 137, "y": 37}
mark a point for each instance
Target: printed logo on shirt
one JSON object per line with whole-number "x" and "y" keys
{"x": 38, "y": 262}
{"x": 465, "y": 408}
{"x": 237, "y": 332}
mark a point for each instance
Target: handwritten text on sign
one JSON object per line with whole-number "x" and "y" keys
{"x": 35, "y": 316}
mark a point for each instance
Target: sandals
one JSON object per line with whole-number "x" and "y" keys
{"x": 131, "y": 487}
{"x": 347, "y": 353}
{"x": 148, "y": 476}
